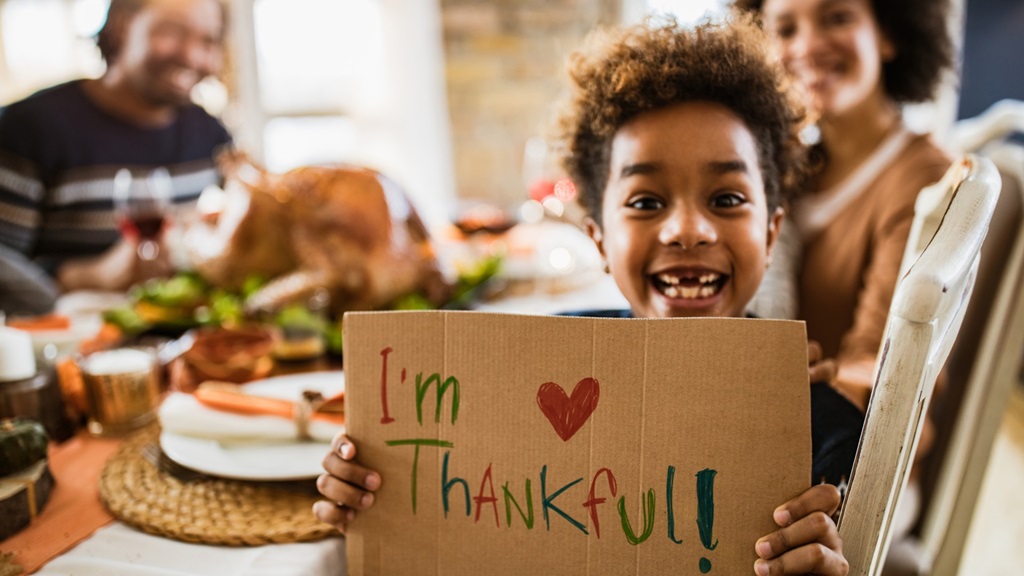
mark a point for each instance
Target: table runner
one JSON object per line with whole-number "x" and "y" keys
{"x": 74, "y": 510}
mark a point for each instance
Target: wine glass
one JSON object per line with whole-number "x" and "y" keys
{"x": 142, "y": 209}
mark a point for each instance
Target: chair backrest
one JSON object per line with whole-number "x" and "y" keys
{"x": 1002, "y": 119}
{"x": 926, "y": 312}
{"x": 981, "y": 371}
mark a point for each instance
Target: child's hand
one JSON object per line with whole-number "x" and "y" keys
{"x": 819, "y": 369}
{"x": 808, "y": 542}
{"x": 347, "y": 486}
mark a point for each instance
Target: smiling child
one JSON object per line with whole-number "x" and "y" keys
{"x": 684, "y": 222}
{"x": 683, "y": 146}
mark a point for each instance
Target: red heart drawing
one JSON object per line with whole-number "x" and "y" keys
{"x": 568, "y": 414}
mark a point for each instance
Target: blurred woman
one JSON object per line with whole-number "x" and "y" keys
{"x": 857, "y": 62}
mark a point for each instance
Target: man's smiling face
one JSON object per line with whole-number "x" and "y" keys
{"x": 169, "y": 46}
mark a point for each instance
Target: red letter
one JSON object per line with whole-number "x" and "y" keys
{"x": 593, "y": 502}
{"x": 385, "y": 419}
{"x": 480, "y": 498}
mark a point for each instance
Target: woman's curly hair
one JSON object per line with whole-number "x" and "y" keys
{"x": 919, "y": 31}
{"x": 621, "y": 73}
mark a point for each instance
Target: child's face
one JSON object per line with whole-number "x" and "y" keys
{"x": 685, "y": 227}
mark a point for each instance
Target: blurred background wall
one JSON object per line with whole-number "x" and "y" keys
{"x": 993, "y": 45}
{"x": 505, "y": 61}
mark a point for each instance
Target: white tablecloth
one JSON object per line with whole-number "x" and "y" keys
{"x": 117, "y": 550}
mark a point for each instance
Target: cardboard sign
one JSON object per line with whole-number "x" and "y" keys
{"x": 516, "y": 444}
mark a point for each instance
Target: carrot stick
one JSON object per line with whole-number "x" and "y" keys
{"x": 225, "y": 396}
{"x": 44, "y": 322}
{"x": 222, "y": 398}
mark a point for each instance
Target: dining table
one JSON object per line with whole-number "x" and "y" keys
{"x": 75, "y": 534}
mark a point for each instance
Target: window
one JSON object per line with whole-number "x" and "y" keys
{"x": 47, "y": 41}
{"x": 318, "y": 65}
{"x": 359, "y": 81}
{"x": 317, "y": 55}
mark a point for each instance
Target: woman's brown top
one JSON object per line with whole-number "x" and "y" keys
{"x": 849, "y": 268}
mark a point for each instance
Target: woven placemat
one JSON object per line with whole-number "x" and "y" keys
{"x": 205, "y": 509}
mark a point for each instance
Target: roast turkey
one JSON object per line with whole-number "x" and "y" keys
{"x": 349, "y": 230}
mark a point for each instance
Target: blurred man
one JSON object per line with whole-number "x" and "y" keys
{"x": 61, "y": 147}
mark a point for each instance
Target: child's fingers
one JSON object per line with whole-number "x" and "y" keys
{"x": 816, "y": 527}
{"x": 333, "y": 514}
{"x": 814, "y": 353}
{"x": 823, "y": 371}
{"x": 810, "y": 559}
{"x": 350, "y": 472}
{"x": 343, "y": 446}
{"x": 821, "y": 498}
{"x": 344, "y": 493}
{"x": 808, "y": 542}
{"x": 819, "y": 369}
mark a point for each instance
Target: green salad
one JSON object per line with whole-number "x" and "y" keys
{"x": 186, "y": 301}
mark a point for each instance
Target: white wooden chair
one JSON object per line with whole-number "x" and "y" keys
{"x": 927, "y": 309}
{"x": 982, "y": 369}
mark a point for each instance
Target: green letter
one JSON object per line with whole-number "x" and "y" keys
{"x": 648, "y": 514}
{"x": 528, "y": 520}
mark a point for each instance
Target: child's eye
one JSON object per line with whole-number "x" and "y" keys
{"x": 784, "y": 31}
{"x": 727, "y": 200}
{"x": 644, "y": 203}
{"x": 837, "y": 17}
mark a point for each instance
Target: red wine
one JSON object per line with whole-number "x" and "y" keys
{"x": 144, "y": 226}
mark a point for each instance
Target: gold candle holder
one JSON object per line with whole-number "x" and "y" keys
{"x": 121, "y": 389}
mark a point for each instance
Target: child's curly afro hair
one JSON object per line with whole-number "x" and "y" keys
{"x": 621, "y": 73}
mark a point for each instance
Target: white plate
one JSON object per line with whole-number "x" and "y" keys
{"x": 293, "y": 460}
